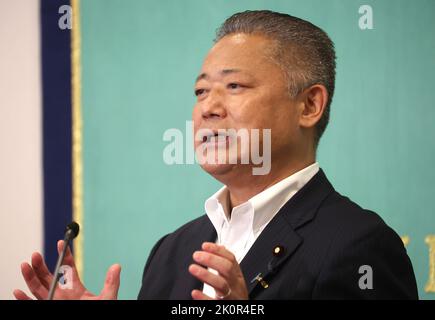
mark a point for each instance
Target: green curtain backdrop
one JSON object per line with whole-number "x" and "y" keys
{"x": 139, "y": 62}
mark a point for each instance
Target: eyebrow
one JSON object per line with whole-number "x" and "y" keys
{"x": 222, "y": 72}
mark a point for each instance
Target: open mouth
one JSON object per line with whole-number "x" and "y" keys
{"x": 216, "y": 138}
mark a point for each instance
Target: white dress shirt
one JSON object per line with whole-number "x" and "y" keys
{"x": 239, "y": 230}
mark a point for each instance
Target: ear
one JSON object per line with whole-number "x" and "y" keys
{"x": 313, "y": 105}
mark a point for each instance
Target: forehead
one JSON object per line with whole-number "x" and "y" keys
{"x": 240, "y": 52}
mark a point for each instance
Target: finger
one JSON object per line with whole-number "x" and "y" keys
{"x": 218, "y": 263}
{"x": 41, "y": 269}
{"x": 20, "y": 295}
{"x": 111, "y": 284}
{"x": 203, "y": 275}
{"x": 33, "y": 282}
{"x": 198, "y": 295}
{"x": 69, "y": 258}
{"x": 218, "y": 250}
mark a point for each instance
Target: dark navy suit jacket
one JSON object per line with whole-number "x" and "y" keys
{"x": 326, "y": 239}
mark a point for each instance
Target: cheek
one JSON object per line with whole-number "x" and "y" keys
{"x": 285, "y": 130}
{"x": 257, "y": 116}
{"x": 196, "y": 118}
{"x": 247, "y": 113}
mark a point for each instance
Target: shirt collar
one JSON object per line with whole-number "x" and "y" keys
{"x": 264, "y": 206}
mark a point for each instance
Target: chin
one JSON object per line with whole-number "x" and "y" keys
{"x": 218, "y": 170}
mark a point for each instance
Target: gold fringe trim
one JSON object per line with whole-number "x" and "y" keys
{"x": 77, "y": 134}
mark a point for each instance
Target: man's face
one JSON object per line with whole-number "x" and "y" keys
{"x": 240, "y": 87}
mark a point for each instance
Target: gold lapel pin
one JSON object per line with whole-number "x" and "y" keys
{"x": 260, "y": 279}
{"x": 278, "y": 250}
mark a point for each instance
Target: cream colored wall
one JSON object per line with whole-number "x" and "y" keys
{"x": 20, "y": 140}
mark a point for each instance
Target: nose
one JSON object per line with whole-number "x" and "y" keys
{"x": 213, "y": 108}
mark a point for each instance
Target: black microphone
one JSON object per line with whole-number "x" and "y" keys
{"x": 71, "y": 231}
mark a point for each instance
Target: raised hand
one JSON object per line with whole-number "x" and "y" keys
{"x": 38, "y": 279}
{"x": 229, "y": 283}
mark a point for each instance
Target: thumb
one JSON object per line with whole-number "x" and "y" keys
{"x": 111, "y": 284}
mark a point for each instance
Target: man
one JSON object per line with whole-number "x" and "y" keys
{"x": 283, "y": 235}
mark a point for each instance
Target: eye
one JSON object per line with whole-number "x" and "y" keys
{"x": 199, "y": 92}
{"x": 233, "y": 86}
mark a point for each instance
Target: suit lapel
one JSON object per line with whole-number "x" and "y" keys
{"x": 260, "y": 260}
{"x": 281, "y": 231}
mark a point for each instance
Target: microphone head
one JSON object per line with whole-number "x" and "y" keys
{"x": 74, "y": 228}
